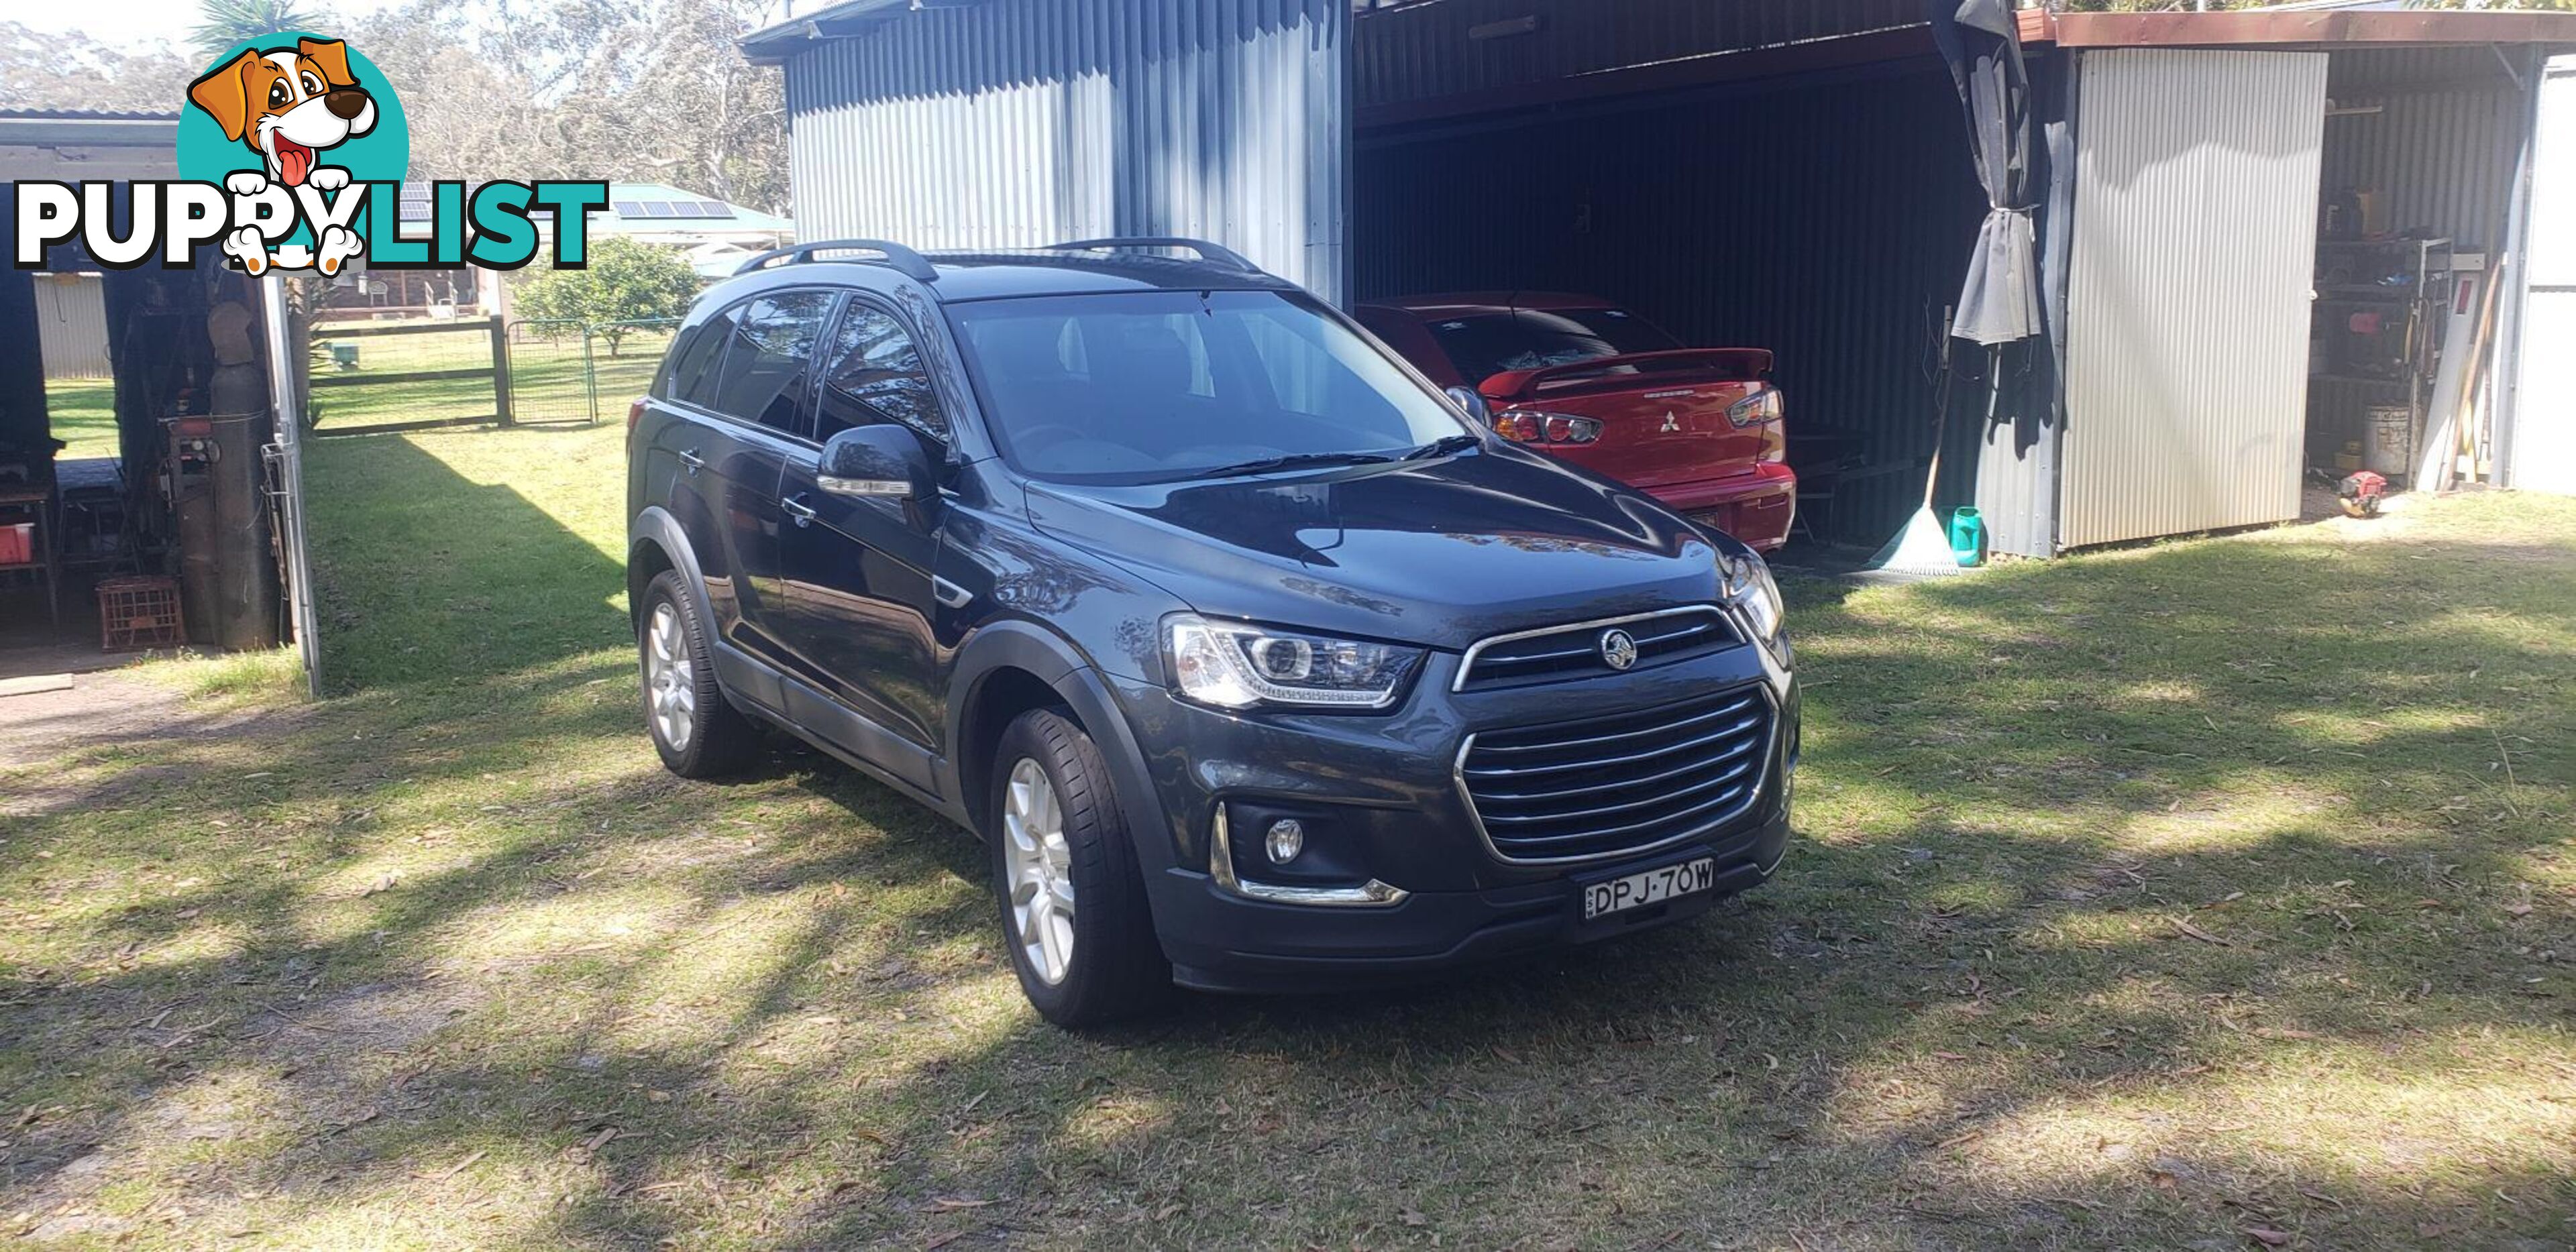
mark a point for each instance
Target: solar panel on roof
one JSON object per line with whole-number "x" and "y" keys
{"x": 629, "y": 208}
{"x": 658, "y": 208}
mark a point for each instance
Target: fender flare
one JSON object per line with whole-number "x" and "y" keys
{"x": 1053, "y": 659}
{"x": 657, "y": 525}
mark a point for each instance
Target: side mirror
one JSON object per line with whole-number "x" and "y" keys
{"x": 1473, "y": 401}
{"x": 881, "y": 460}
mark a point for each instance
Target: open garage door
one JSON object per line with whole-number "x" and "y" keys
{"x": 2544, "y": 430}
{"x": 2187, "y": 348}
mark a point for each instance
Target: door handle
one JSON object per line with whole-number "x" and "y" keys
{"x": 798, "y": 509}
{"x": 695, "y": 462}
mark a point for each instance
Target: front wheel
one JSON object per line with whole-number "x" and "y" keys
{"x": 1072, "y": 899}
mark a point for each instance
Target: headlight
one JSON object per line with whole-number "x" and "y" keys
{"x": 1753, "y": 592}
{"x": 1234, "y": 666}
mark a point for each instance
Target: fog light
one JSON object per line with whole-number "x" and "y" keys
{"x": 1285, "y": 841}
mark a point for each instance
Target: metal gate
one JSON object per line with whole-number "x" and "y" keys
{"x": 563, "y": 370}
{"x": 2195, "y": 247}
{"x": 550, "y": 376}
{"x": 2542, "y": 452}
{"x": 370, "y": 378}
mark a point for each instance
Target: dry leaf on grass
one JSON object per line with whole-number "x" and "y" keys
{"x": 2268, "y": 1237}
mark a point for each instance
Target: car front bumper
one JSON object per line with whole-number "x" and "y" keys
{"x": 1382, "y": 809}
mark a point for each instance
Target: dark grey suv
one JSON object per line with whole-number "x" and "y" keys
{"x": 1258, "y": 662}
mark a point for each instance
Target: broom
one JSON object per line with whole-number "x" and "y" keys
{"x": 1922, "y": 549}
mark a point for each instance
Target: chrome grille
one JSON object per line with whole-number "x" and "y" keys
{"x": 1561, "y": 652}
{"x": 1612, "y": 786}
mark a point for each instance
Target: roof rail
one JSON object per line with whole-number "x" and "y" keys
{"x": 911, "y": 264}
{"x": 1217, "y": 254}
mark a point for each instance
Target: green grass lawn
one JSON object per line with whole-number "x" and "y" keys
{"x": 2216, "y": 894}
{"x": 83, "y": 414}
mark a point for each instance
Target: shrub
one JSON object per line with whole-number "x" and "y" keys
{"x": 625, "y": 282}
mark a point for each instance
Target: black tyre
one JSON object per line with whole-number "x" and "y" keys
{"x": 698, "y": 732}
{"x": 1074, "y": 916}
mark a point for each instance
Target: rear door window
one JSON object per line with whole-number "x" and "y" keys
{"x": 873, "y": 374}
{"x": 693, "y": 368}
{"x": 769, "y": 359}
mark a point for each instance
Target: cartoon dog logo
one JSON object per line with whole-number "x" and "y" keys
{"x": 289, "y": 105}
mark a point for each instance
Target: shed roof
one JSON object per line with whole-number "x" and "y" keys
{"x": 2294, "y": 27}
{"x": 72, "y": 145}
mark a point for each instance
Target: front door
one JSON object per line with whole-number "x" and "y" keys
{"x": 860, "y": 595}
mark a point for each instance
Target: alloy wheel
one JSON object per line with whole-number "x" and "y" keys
{"x": 1041, "y": 867}
{"x": 670, "y": 677}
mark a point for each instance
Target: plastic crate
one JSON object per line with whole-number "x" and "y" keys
{"x": 18, "y": 544}
{"x": 142, "y": 612}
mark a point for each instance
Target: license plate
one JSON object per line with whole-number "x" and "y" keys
{"x": 1654, "y": 886}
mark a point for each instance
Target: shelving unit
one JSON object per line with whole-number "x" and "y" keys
{"x": 2376, "y": 340}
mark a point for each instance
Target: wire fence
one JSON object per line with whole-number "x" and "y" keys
{"x": 563, "y": 370}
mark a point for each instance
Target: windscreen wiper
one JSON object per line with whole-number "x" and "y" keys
{"x": 1300, "y": 460}
{"x": 1443, "y": 446}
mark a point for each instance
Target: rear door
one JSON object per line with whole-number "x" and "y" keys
{"x": 860, "y": 587}
{"x": 753, "y": 390}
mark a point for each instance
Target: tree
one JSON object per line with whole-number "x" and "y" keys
{"x": 626, "y": 282}
{"x": 642, "y": 91}
{"x": 228, "y": 22}
{"x": 70, "y": 70}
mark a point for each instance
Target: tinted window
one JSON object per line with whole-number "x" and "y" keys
{"x": 1167, "y": 385}
{"x": 693, "y": 366}
{"x": 772, "y": 348}
{"x": 1498, "y": 343}
{"x": 873, "y": 375}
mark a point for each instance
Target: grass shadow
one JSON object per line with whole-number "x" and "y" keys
{"x": 2143, "y": 900}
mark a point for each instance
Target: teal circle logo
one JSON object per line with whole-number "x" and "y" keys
{"x": 284, "y": 105}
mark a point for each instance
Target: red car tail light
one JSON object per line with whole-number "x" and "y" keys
{"x": 1764, "y": 409}
{"x": 1761, "y": 406}
{"x": 1521, "y": 427}
{"x": 634, "y": 413}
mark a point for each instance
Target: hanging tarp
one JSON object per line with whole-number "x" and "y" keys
{"x": 1981, "y": 39}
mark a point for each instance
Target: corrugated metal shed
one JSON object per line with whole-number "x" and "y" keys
{"x": 2195, "y": 240}
{"x": 1018, "y": 123}
{"x": 1419, "y": 51}
{"x": 1828, "y": 222}
{"x": 2439, "y": 138}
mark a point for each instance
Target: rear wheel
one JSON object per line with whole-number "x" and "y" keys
{"x": 697, "y": 732}
{"x": 1072, "y": 899}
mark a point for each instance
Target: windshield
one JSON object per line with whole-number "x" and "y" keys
{"x": 1499, "y": 343}
{"x": 1159, "y": 386}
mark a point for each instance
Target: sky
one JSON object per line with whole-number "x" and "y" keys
{"x": 135, "y": 25}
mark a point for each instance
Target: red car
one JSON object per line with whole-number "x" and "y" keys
{"x": 1697, "y": 428}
